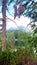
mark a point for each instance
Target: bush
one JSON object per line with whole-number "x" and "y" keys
{"x": 6, "y": 57}
{"x": 10, "y": 57}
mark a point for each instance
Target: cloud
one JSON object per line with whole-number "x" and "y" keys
{"x": 22, "y": 21}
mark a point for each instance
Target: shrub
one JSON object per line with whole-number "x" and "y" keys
{"x": 11, "y": 57}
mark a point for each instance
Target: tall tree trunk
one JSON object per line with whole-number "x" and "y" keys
{"x": 4, "y": 25}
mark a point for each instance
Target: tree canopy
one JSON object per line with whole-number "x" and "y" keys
{"x": 29, "y": 9}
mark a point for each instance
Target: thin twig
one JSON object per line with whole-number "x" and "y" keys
{"x": 12, "y": 21}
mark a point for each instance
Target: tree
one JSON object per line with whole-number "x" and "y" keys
{"x": 4, "y": 25}
{"x": 29, "y": 9}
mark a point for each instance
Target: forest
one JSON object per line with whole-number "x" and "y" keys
{"x": 18, "y": 47}
{"x": 21, "y": 48}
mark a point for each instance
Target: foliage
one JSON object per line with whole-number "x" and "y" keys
{"x": 29, "y": 7}
{"x": 10, "y": 57}
{"x": 26, "y": 45}
{"x": 22, "y": 38}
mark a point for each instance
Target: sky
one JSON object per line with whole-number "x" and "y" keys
{"x": 22, "y": 21}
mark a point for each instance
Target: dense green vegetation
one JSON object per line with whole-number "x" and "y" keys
{"x": 10, "y": 57}
{"x": 21, "y": 38}
{"x": 21, "y": 47}
{"x": 26, "y": 48}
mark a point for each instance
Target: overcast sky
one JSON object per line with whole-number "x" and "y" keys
{"x": 22, "y": 21}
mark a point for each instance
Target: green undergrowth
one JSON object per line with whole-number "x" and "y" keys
{"x": 11, "y": 57}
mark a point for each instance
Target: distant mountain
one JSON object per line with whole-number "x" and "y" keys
{"x": 21, "y": 28}
{"x": 10, "y": 29}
